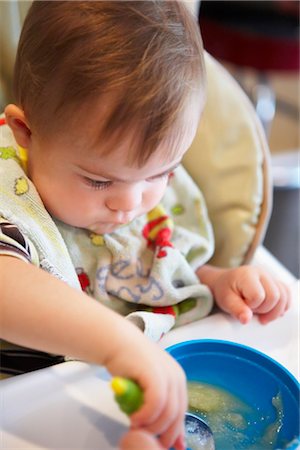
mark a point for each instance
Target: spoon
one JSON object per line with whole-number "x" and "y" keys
{"x": 198, "y": 434}
{"x": 130, "y": 397}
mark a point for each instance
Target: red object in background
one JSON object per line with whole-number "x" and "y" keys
{"x": 261, "y": 35}
{"x": 288, "y": 6}
{"x": 248, "y": 49}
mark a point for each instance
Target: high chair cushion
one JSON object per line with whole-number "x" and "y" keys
{"x": 229, "y": 160}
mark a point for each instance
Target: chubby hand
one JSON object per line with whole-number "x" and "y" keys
{"x": 248, "y": 290}
{"x": 163, "y": 383}
{"x": 138, "y": 440}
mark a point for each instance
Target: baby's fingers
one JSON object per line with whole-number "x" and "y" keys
{"x": 165, "y": 403}
{"x": 166, "y": 417}
{"x": 172, "y": 439}
{"x": 152, "y": 409}
{"x": 251, "y": 289}
{"x": 169, "y": 425}
{"x": 236, "y": 307}
{"x": 139, "y": 439}
{"x": 173, "y": 434}
{"x": 279, "y": 308}
{"x": 273, "y": 294}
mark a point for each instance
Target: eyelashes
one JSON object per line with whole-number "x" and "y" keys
{"x": 102, "y": 185}
{"x": 98, "y": 185}
{"x": 159, "y": 177}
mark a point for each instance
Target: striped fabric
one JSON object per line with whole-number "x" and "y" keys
{"x": 15, "y": 360}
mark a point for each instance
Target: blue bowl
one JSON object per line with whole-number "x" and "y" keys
{"x": 250, "y": 375}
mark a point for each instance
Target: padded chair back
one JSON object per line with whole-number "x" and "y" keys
{"x": 229, "y": 160}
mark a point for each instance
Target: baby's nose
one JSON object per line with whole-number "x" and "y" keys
{"x": 126, "y": 199}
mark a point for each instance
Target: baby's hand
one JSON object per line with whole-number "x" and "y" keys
{"x": 247, "y": 290}
{"x": 162, "y": 381}
{"x": 141, "y": 440}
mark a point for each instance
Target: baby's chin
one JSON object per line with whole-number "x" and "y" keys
{"x": 103, "y": 228}
{"x": 97, "y": 228}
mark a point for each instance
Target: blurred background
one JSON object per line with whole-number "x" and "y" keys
{"x": 258, "y": 42}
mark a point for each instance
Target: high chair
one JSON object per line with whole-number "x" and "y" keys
{"x": 70, "y": 405}
{"x": 228, "y": 159}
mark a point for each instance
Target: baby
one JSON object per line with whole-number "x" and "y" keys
{"x": 108, "y": 100}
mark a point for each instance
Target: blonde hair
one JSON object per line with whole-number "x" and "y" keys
{"x": 148, "y": 54}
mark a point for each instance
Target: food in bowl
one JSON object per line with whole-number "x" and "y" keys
{"x": 248, "y": 399}
{"x": 232, "y": 420}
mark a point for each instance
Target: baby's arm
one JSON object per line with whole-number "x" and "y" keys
{"x": 41, "y": 312}
{"x": 246, "y": 290}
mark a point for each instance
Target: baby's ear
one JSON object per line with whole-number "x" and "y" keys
{"x": 15, "y": 119}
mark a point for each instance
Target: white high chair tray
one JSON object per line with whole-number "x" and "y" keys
{"x": 71, "y": 406}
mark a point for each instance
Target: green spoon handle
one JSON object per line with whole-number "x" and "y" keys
{"x": 128, "y": 394}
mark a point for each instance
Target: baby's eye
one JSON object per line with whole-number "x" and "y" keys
{"x": 98, "y": 185}
{"x": 158, "y": 177}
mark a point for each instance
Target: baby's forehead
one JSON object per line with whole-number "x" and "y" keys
{"x": 120, "y": 150}
{"x": 85, "y": 128}
{"x": 85, "y": 132}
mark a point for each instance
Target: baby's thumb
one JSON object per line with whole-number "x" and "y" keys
{"x": 237, "y": 308}
{"x": 138, "y": 439}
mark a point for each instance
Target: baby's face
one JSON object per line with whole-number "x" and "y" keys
{"x": 84, "y": 188}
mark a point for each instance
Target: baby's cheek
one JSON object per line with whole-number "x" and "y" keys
{"x": 154, "y": 195}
